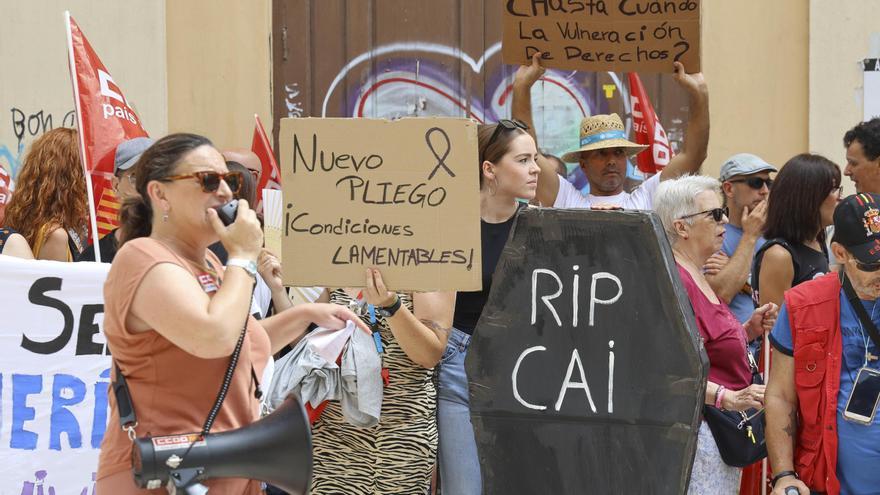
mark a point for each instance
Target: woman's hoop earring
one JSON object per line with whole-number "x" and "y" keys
{"x": 493, "y": 190}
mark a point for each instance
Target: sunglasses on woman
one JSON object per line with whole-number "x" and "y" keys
{"x": 756, "y": 182}
{"x": 210, "y": 181}
{"x": 717, "y": 214}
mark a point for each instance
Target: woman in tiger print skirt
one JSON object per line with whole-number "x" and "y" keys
{"x": 397, "y": 455}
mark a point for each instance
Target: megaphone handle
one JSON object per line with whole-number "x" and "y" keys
{"x": 188, "y": 480}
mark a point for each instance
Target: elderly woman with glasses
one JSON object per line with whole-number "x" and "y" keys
{"x": 174, "y": 316}
{"x": 693, "y": 218}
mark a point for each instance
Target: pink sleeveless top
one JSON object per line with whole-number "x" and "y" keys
{"x": 723, "y": 337}
{"x": 172, "y": 391}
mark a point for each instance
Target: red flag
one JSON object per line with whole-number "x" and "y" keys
{"x": 5, "y": 191}
{"x": 271, "y": 176}
{"x": 105, "y": 119}
{"x": 648, "y": 129}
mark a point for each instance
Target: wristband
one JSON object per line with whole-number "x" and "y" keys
{"x": 719, "y": 396}
{"x": 388, "y": 311}
{"x": 782, "y": 475}
{"x": 249, "y": 266}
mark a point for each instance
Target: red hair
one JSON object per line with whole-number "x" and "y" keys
{"x": 50, "y": 188}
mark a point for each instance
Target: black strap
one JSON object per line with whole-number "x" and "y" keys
{"x": 783, "y": 475}
{"x": 127, "y": 417}
{"x": 778, "y": 241}
{"x": 227, "y": 380}
{"x": 854, "y": 301}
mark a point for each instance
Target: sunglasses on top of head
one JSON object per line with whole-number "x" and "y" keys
{"x": 210, "y": 181}
{"x": 717, "y": 214}
{"x": 503, "y": 125}
{"x": 755, "y": 182}
{"x": 506, "y": 125}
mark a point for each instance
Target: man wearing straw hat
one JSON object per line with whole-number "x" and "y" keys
{"x": 604, "y": 148}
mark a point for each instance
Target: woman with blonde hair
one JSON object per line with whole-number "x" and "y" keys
{"x": 50, "y": 207}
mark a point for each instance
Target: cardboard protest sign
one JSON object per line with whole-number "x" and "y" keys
{"x": 586, "y": 370}
{"x": 610, "y": 35}
{"x": 54, "y": 375}
{"x": 400, "y": 196}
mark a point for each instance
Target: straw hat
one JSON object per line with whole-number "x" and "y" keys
{"x": 600, "y": 132}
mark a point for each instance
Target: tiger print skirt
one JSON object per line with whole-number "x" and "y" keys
{"x": 395, "y": 456}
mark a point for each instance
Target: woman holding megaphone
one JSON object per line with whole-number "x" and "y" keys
{"x": 174, "y": 317}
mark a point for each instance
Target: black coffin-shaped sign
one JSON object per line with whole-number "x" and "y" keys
{"x": 586, "y": 370}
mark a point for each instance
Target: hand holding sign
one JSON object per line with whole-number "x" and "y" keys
{"x": 375, "y": 292}
{"x": 694, "y": 84}
{"x": 528, "y": 75}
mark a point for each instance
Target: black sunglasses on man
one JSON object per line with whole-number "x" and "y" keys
{"x": 755, "y": 182}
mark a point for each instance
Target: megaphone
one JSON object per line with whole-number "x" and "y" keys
{"x": 276, "y": 449}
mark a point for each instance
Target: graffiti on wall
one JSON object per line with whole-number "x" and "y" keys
{"x": 405, "y": 84}
{"x": 409, "y": 86}
{"x": 292, "y": 100}
{"x": 27, "y": 125}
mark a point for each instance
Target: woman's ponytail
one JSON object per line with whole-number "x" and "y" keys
{"x": 136, "y": 218}
{"x": 156, "y": 163}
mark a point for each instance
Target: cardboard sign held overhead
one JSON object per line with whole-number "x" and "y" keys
{"x": 400, "y": 196}
{"x": 597, "y": 35}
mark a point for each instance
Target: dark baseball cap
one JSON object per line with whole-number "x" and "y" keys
{"x": 128, "y": 152}
{"x": 857, "y": 226}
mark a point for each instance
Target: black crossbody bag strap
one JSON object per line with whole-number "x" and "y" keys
{"x": 127, "y": 416}
{"x": 854, "y": 301}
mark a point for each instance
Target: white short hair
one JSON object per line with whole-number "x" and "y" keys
{"x": 676, "y": 198}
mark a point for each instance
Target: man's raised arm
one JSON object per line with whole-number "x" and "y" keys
{"x": 526, "y": 76}
{"x": 696, "y": 140}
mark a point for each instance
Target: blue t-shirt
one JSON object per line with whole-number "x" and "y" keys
{"x": 858, "y": 447}
{"x": 741, "y": 306}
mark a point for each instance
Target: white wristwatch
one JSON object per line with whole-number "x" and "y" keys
{"x": 249, "y": 266}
